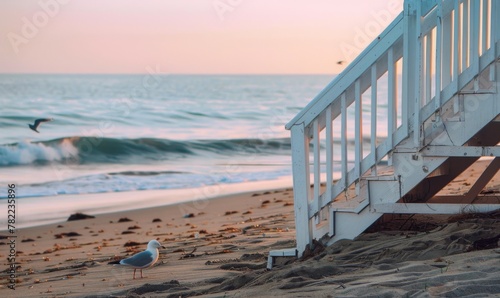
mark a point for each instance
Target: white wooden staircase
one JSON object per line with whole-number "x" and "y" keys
{"x": 441, "y": 118}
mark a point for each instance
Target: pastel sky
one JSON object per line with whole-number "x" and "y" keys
{"x": 188, "y": 36}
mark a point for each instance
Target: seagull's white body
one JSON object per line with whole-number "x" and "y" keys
{"x": 144, "y": 259}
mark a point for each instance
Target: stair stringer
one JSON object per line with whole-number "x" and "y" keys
{"x": 411, "y": 167}
{"x": 348, "y": 224}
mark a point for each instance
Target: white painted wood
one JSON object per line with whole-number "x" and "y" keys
{"x": 474, "y": 36}
{"x": 447, "y": 48}
{"x": 453, "y": 21}
{"x": 429, "y": 21}
{"x": 476, "y": 117}
{"x": 439, "y": 54}
{"x": 465, "y": 78}
{"x": 270, "y": 261}
{"x": 406, "y": 83}
{"x": 331, "y": 232}
{"x": 428, "y": 68}
{"x": 329, "y": 152}
{"x": 316, "y": 166}
{"x": 287, "y": 252}
{"x": 334, "y": 89}
{"x": 301, "y": 189}
{"x": 484, "y": 26}
{"x": 485, "y": 178}
{"x": 350, "y": 225}
{"x": 415, "y": 208}
{"x": 343, "y": 139}
{"x": 465, "y": 34}
{"x": 391, "y": 96}
{"x": 495, "y": 22}
{"x": 417, "y": 79}
{"x": 373, "y": 125}
{"x": 460, "y": 151}
{"x": 456, "y": 45}
{"x": 358, "y": 132}
{"x": 492, "y": 72}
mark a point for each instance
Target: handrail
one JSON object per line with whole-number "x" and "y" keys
{"x": 347, "y": 77}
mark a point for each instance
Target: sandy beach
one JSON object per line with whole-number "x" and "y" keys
{"x": 219, "y": 247}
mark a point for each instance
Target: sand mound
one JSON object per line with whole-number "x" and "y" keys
{"x": 441, "y": 262}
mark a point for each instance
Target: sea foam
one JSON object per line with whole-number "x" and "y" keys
{"x": 27, "y": 152}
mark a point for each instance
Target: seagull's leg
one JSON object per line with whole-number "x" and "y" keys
{"x": 134, "y": 273}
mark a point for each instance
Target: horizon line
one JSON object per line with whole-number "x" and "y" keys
{"x": 167, "y": 74}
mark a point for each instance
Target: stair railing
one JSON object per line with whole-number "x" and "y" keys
{"x": 448, "y": 43}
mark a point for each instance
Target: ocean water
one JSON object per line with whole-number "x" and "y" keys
{"x": 174, "y": 133}
{"x": 114, "y": 133}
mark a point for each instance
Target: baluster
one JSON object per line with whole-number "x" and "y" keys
{"x": 446, "y": 46}
{"x": 358, "y": 141}
{"x": 428, "y": 67}
{"x": 418, "y": 77}
{"x": 374, "y": 118}
{"x": 494, "y": 33}
{"x": 329, "y": 153}
{"x": 316, "y": 166}
{"x": 475, "y": 36}
{"x": 391, "y": 90}
{"x": 343, "y": 139}
{"x": 439, "y": 45}
{"x": 456, "y": 43}
{"x": 494, "y": 24}
{"x": 465, "y": 35}
{"x": 485, "y": 30}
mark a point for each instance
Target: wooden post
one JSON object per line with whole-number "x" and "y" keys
{"x": 301, "y": 182}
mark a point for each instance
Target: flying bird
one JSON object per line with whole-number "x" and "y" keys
{"x": 38, "y": 122}
{"x": 144, "y": 259}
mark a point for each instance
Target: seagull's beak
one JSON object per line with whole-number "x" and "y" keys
{"x": 163, "y": 247}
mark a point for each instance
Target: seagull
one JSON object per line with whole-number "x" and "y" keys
{"x": 144, "y": 259}
{"x": 38, "y": 122}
